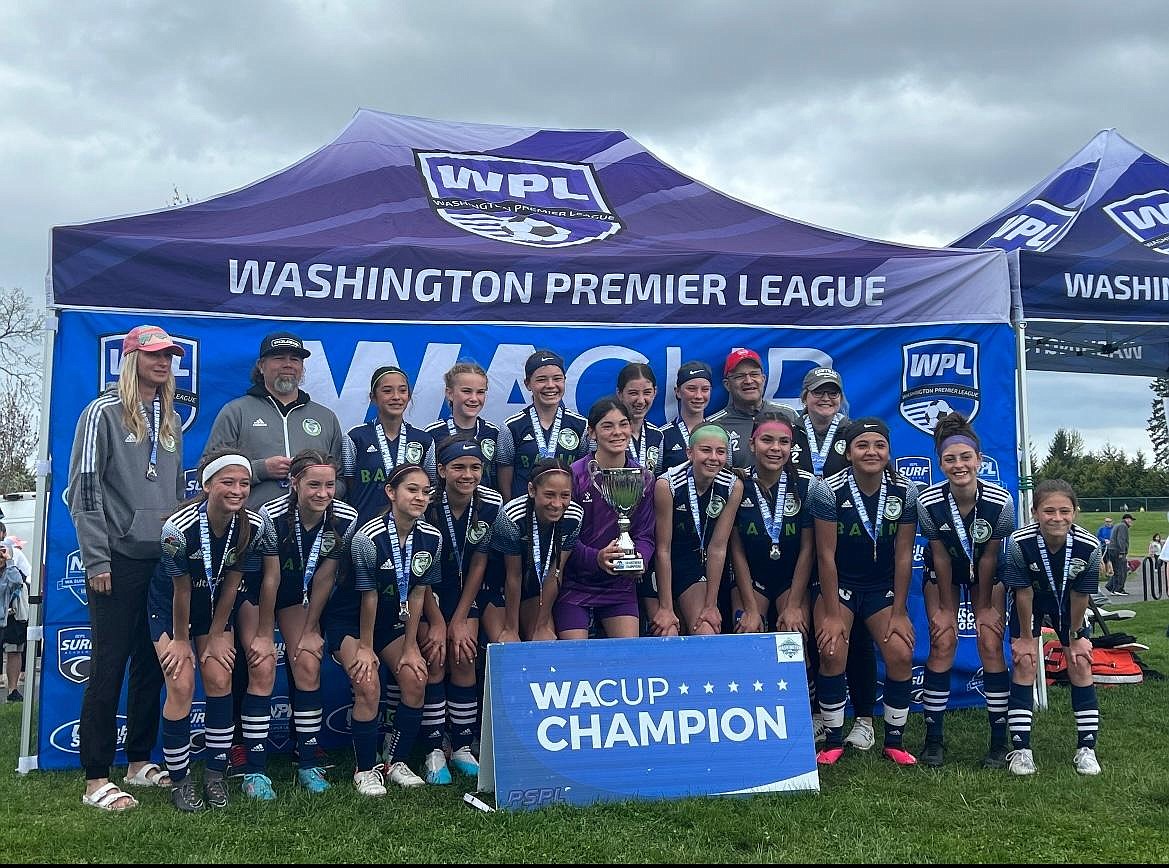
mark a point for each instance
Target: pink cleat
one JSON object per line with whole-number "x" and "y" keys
{"x": 899, "y": 756}
{"x": 829, "y": 756}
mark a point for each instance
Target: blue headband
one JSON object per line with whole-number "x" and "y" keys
{"x": 459, "y": 448}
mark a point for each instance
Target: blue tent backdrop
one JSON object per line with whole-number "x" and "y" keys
{"x": 421, "y": 242}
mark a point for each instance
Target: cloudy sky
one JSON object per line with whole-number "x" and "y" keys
{"x": 906, "y": 121}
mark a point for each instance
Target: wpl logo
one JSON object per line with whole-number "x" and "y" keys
{"x": 1036, "y": 226}
{"x": 1145, "y": 217}
{"x": 186, "y": 370}
{"x": 74, "y": 649}
{"x": 938, "y": 377}
{"x": 536, "y": 203}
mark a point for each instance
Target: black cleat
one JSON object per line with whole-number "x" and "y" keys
{"x": 932, "y": 755}
{"x": 185, "y": 798}
{"x": 215, "y": 790}
{"x": 996, "y": 758}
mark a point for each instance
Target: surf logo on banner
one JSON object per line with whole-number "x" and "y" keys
{"x": 535, "y": 203}
{"x": 1145, "y": 217}
{"x": 1035, "y": 226}
{"x": 186, "y": 370}
{"x": 918, "y": 469}
{"x": 74, "y": 650}
{"x": 938, "y": 377}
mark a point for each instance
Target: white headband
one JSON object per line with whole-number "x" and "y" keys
{"x": 222, "y": 462}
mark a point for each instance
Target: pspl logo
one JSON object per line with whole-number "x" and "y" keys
{"x": 186, "y": 370}
{"x": 918, "y": 469}
{"x": 535, "y": 203}
{"x": 938, "y": 377}
{"x": 1145, "y": 217}
{"x": 1036, "y": 226}
{"x": 74, "y": 650}
{"x": 74, "y": 578}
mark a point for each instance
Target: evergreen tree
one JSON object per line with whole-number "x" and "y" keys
{"x": 1158, "y": 431}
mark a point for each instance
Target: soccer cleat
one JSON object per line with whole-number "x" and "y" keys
{"x": 819, "y": 729}
{"x": 402, "y": 775}
{"x": 996, "y": 758}
{"x": 185, "y": 798}
{"x": 465, "y": 763}
{"x": 259, "y": 787}
{"x": 1085, "y": 761}
{"x": 237, "y": 760}
{"x": 312, "y": 780}
{"x": 436, "y": 769}
{"x": 861, "y": 736}
{"x": 899, "y": 756}
{"x": 829, "y": 756}
{"x": 1021, "y": 762}
{"x": 369, "y": 783}
{"x": 933, "y": 754}
{"x": 215, "y": 791}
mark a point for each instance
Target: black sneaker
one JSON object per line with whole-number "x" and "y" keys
{"x": 185, "y": 798}
{"x": 215, "y": 790}
{"x": 996, "y": 758}
{"x": 15, "y": 696}
{"x": 933, "y": 754}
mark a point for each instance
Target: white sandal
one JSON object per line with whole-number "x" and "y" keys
{"x": 150, "y": 775}
{"x": 105, "y": 797}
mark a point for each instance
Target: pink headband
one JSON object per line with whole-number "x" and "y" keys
{"x": 957, "y": 440}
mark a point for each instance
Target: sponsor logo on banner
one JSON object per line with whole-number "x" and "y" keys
{"x": 1035, "y": 226}
{"x": 917, "y": 685}
{"x": 74, "y": 649}
{"x": 74, "y": 579}
{"x": 191, "y": 484}
{"x": 918, "y": 469}
{"x": 536, "y": 203}
{"x": 977, "y": 684}
{"x": 938, "y": 376}
{"x": 1145, "y": 217}
{"x": 186, "y": 370}
{"x": 198, "y": 726}
{"x": 967, "y": 627}
{"x": 989, "y": 470}
{"x": 340, "y": 719}
{"x": 67, "y": 736}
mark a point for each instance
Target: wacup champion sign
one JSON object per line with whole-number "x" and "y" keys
{"x": 646, "y": 719}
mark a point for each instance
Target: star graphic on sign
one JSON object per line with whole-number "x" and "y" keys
{"x": 782, "y": 685}
{"x": 734, "y": 687}
{"x": 708, "y": 687}
{"x": 758, "y": 685}
{"x": 684, "y": 689}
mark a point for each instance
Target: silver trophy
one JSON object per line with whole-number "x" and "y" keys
{"x": 622, "y": 488}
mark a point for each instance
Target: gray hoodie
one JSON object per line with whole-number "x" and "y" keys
{"x": 115, "y": 508}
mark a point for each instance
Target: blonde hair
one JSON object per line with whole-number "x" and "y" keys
{"x": 128, "y": 394}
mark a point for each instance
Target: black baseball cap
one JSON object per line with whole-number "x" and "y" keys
{"x": 283, "y": 342}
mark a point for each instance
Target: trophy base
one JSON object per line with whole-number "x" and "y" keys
{"x": 629, "y": 565}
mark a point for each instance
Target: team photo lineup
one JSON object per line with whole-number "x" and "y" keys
{"x": 401, "y": 552}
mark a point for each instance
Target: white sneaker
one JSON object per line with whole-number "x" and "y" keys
{"x": 861, "y": 736}
{"x": 464, "y": 761}
{"x": 436, "y": 769}
{"x": 401, "y": 775}
{"x": 1085, "y": 761}
{"x": 369, "y": 783}
{"x": 1021, "y": 762}
{"x": 819, "y": 729}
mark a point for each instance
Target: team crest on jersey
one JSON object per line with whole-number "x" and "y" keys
{"x": 568, "y": 439}
{"x": 938, "y": 377}
{"x": 311, "y": 427}
{"x": 844, "y": 593}
{"x": 185, "y": 367}
{"x": 981, "y": 530}
{"x": 420, "y": 563}
{"x": 839, "y": 446}
{"x": 893, "y": 508}
{"x": 171, "y": 543}
{"x": 1077, "y": 566}
{"x": 791, "y": 504}
{"x": 413, "y": 452}
{"x": 535, "y": 203}
{"x": 1145, "y": 217}
{"x": 168, "y": 443}
{"x": 328, "y": 541}
{"x": 476, "y": 532}
{"x": 715, "y": 507}
{"x": 229, "y": 557}
{"x": 488, "y": 447}
{"x": 653, "y": 458}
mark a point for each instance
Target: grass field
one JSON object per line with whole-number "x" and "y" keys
{"x": 868, "y": 810}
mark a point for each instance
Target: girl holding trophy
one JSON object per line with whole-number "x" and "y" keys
{"x": 616, "y": 540}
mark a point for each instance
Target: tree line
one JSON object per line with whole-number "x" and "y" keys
{"x": 1106, "y": 472}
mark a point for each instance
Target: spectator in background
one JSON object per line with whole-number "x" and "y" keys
{"x": 1104, "y": 534}
{"x": 13, "y": 617}
{"x": 1155, "y": 546}
{"x": 18, "y": 557}
{"x": 1118, "y": 550}
{"x": 744, "y": 380}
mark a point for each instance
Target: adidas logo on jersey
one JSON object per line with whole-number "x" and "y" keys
{"x": 677, "y": 447}
{"x": 1034, "y": 568}
{"x": 682, "y": 508}
{"x": 527, "y": 438}
{"x": 945, "y": 526}
{"x": 847, "y": 505}
{"x": 259, "y": 423}
{"x": 747, "y": 502}
{"x": 130, "y": 438}
{"x": 388, "y": 565}
{"x": 888, "y": 595}
{"x": 371, "y": 448}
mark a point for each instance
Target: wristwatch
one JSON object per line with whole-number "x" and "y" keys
{"x": 1084, "y": 633}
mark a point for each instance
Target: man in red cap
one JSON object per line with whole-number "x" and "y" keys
{"x": 744, "y": 380}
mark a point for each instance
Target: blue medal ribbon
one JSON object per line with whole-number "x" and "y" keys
{"x": 402, "y": 559}
{"x": 456, "y": 545}
{"x": 152, "y": 468}
{"x": 698, "y": 516}
{"x": 1057, "y": 587}
{"x": 820, "y": 453}
{"x": 960, "y": 529}
{"x": 384, "y": 445}
{"x": 214, "y": 576}
{"x": 541, "y": 571}
{"x": 546, "y": 450}
{"x": 773, "y": 515}
{"x": 872, "y": 528}
{"x": 308, "y": 564}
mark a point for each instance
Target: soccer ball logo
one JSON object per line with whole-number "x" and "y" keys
{"x": 927, "y": 414}
{"x": 531, "y": 230}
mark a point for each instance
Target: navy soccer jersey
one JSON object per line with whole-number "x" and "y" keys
{"x": 570, "y": 444}
{"x": 299, "y": 554}
{"x": 486, "y": 434}
{"x": 827, "y": 451}
{"x": 991, "y": 520}
{"x": 857, "y": 565}
{"x": 1075, "y": 569}
{"x": 366, "y": 466}
{"x": 463, "y": 537}
{"x": 691, "y": 534}
{"x": 675, "y": 442}
{"x": 647, "y": 450}
{"x": 373, "y": 561}
{"x": 796, "y": 515}
{"x": 512, "y": 535}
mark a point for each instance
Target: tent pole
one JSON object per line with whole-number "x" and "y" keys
{"x": 26, "y": 758}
